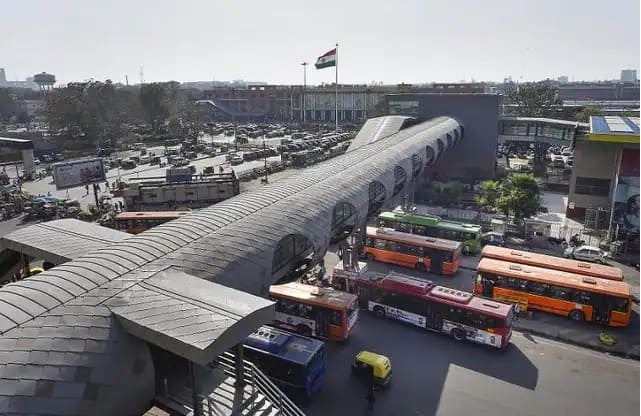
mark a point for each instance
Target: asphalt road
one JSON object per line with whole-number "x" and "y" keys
{"x": 434, "y": 375}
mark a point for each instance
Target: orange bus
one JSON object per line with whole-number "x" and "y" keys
{"x": 135, "y": 222}
{"x": 551, "y": 262}
{"x": 411, "y": 250}
{"x": 314, "y": 311}
{"x": 579, "y": 297}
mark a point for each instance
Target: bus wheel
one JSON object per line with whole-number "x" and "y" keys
{"x": 458, "y": 335}
{"x": 304, "y": 330}
{"x": 577, "y": 315}
{"x": 379, "y": 311}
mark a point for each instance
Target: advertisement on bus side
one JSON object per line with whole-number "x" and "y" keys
{"x": 399, "y": 314}
{"x": 78, "y": 173}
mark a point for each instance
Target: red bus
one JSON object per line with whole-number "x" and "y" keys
{"x": 411, "y": 250}
{"x": 551, "y": 262}
{"x": 437, "y": 308}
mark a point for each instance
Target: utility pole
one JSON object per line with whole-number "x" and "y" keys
{"x": 266, "y": 179}
{"x": 304, "y": 64}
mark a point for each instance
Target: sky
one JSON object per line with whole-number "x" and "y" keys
{"x": 266, "y": 40}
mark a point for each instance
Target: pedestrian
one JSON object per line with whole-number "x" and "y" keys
{"x": 517, "y": 311}
{"x": 221, "y": 169}
{"x": 106, "y": 186}
{"x": 3, "y": 213}
{"x": 371, "y": 399}
{"x": 87, "y": 189}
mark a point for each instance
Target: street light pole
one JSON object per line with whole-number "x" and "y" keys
{"x": 304, "y": 64}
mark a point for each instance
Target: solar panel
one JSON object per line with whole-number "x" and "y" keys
{"x": 617, "y": 124}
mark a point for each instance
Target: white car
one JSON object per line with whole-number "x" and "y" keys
{"x": 587, "y": 253}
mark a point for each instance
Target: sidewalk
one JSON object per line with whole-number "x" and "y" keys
{"x": 584, "y": 335}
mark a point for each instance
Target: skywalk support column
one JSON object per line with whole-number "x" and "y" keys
{"x": 239, "y": 366}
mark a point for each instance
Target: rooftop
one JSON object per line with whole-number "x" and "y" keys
{"x": 614, "y": 129}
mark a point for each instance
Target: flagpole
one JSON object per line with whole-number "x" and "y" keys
{"x": 336, "y": 96}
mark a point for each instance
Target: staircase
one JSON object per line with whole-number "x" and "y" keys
{"x": 257, "y": 397}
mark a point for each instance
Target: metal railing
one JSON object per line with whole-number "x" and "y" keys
{"x": 259, "y": 383}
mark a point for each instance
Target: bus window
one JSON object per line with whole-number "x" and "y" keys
{"x": 419, "y": 229}
{"x": 380, "y": 244}
{"x": 370, "y": 242}
{"x": 560, "y": 293}
{"x": 584, "y": 297}
{"x": 619, "y": 304}
{"x": 336, "y": 318}
{"x": 404, "y": 227}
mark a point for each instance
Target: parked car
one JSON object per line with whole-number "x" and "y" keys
{"x": 493, "y": 238}
{"x": 58, "y": 157}
{"x": 236, "y": 160}
{"x": 145, "y": 159}
{"x": 192, "y": 155}
{"x": 180, "y": 161}
{"x": 128, "y": 164}
{"x": 46, "y": 159}
{"x": 36, "y": 161}
{"x": 587, "y": 253}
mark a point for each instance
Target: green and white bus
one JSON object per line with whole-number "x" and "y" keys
{"x": 433, "y": 226}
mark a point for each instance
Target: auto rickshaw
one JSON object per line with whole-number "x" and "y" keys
{"x": 372, "y": 367}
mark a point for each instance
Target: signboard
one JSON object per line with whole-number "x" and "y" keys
{"x": 520, "y": 300}
{"x": 78, "y": 173}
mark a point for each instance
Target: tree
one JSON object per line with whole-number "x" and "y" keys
{"x": 585, "y": 114}
{"x": 85, "y": 109}
{"x": 518, "y": 195}
{"x": 153, "y": 100}
{"x": 537, "y": 99}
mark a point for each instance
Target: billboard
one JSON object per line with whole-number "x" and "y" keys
{"x": 625, "y": 218}
{"x": 78, "y": 173}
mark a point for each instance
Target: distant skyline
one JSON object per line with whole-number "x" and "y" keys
{"x": 410, "y": 41}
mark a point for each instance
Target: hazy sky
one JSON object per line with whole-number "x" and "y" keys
{"x": 389, "y": 41}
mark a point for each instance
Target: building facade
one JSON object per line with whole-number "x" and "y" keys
{"x": 356, "y": 103}
{"x": 604, "y": 187}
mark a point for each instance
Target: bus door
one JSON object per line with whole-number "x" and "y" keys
{"x": 322, "y": 322}
{"x": 433, "y": 317}
{"x": 364, "y": 294}
{"x": 437, "y": 262}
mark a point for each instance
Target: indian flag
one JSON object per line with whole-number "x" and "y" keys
{"x": 326, "y": 60}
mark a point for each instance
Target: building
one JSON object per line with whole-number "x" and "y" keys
{"x": 356, "y": 103}
{"x": 629, "y": 75}
{"x": 3, "y": 77}
{"x": 604, "y": 187}
{"x": 599, "y": 91}
{"x": 563, "y": 79}
{"x": 473, "y": 158}
{"x": 32, "y": 108}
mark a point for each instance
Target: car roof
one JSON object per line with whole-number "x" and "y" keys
{"x": 589, "y": 248}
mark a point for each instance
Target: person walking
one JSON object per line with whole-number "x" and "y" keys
{"x": 371, "y": 399}
{"x": 87, "y": 189}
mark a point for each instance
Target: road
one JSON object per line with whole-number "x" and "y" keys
{"x": 433, "y": 375}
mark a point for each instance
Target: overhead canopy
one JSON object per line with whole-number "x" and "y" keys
{"x": 60, "y": 241}
{"x": 189, "y": 316}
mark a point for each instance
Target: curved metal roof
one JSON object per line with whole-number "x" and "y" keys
{"x": 61, "y": 349}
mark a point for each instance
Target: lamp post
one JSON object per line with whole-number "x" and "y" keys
{"x": 304, "y": 64}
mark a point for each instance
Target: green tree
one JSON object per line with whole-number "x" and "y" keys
{"x": 536, "y": 99}
{"x": 585, "y": 114}
{"x": 153, "y": 100}
{"x": 518, "y": 195}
